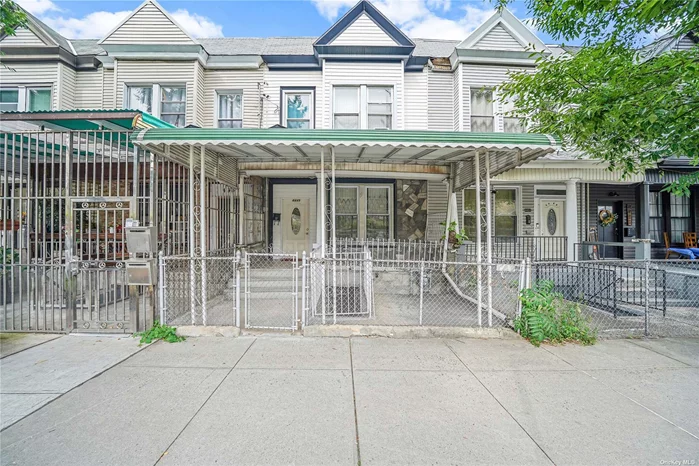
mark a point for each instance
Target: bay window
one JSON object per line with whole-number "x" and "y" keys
{"x": 173, "y": 105}
{"x": 230, "y": 109}
{"x": 140, "y": 98}
{"x": 297, "y": 106}
{"x": 482, "y": 119}
{"x": 25, "y": 99}
{"x": 363, "y": 107}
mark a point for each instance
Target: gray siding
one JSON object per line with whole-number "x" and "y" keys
{"x": 599, "y": 194}
{"x": 233, "y": 80}
{"x": 498, "y": 39}
{"x": 363, "y": 31}
{"x": 416, "y": 101}
{"x": 148, "y": 25}
{"x": 88, "y": 89}
{"x": 34, "y": 75}
{"x": 22, "y": 37}
{"x": 440, "y": 105}
{"x": 437, "y": 205}
{"x": 68, "y": 85}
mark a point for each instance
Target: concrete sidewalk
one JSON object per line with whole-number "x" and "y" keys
{"x": 40, "y": 368}
{"x": 295, "y": 400}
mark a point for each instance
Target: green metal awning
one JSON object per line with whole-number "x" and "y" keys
{"x": 88, "y": 120}
{"x": 357, "y": 146}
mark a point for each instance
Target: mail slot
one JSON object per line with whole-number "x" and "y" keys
{"x": 141, "y": 240}
{"x": 140, "y": 272}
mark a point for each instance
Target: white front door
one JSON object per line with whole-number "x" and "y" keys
{"x": 295, "y": 225}
{"x": 551, "y": 223}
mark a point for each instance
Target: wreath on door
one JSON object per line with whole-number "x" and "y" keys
{"x": 607, "y": 217}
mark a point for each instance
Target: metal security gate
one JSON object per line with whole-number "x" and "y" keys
{"x": 271, "y": 290}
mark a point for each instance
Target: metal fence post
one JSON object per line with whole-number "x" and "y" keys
{"x": 422, "y": 288}
{"x": 161, "y": 286}
{"x": 303, "y": 290}
{"x": 647, "y": 295}
{"x": 237, "y": 289}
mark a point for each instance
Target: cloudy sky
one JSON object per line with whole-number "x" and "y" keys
{"x": 435, "y": 19}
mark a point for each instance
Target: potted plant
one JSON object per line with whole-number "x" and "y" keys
{"x": 9, "y": 258}
{"x": 455, "y": 237}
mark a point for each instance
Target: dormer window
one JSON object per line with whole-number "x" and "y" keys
{"x": 482, "y": 119}
{"x": 167, "y": 102}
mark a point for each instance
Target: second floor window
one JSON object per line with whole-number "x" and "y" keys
{"x": 482, "y": 120}
{"x": 363, "y": 107}
{"x": 298, "y": 109}
{"x": 511, "y": 123}
{"x": 25, "y": 99}
{"x": 230, "y": 110}
{"x": 169, "y": 103}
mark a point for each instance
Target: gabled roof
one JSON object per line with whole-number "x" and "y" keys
{"x": 364, "y": 7}
{"x": 47, "y": 35}
{"x": 514, "y": 27}
{"x": 668, "y": 42}
{"x": 137, "y": 11}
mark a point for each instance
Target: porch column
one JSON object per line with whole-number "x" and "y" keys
{"x": 192, "y": 236}
{"x": 204, "y": 227}
{"x": 571, "y": 216}
{"x": 241, "y": 209}
{"x": 323, "y": 207}
{"x": 479, "y": 258}
{"x": 644, "y": 211}
{"x": 489, "y": 238}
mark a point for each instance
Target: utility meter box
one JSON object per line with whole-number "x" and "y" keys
{"x": 140, "y": 272}
{"x": 141, "y": 240}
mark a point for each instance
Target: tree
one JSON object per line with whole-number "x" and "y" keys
{"x": 12, "y": 18}
{"x": 616, "y": 99}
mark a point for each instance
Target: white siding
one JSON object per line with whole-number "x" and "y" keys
{"x": 275, "y": 80}
{"x": 363, "y": 31}
{"x": 108, "y": 89}
{"x": 456, "y": 101}
{"x": 200, "y": 89}
{"x": 440, "y": 103}
{"x": 165, "y": 73}
{"x": 294, "y": 191}
{"x": 66, "y": 93}
{"x": 416, "y": 101}
{"x": 148, "y": 26}
{"x": 498, "y": 39}
{"x": 22, "y": 37}
{"x": 383, "y": 74}
{"x": 88, "y": 89}
{"x": 231, "y": 80}
{"x": 685, "y": 44}
{"x": 30, "y": 74}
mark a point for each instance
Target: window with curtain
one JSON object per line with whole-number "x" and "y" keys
{"x": 482, "y": 119}
{"x": 378, "y": 214}
{"x": 655, "y": 227}
{"x": 347, "y": 211}
{"x": 512, "y": 124}
{"x": 298, "y": 109}
{"x": 140, "y": 98}
{"x": 173, "y": 105}
{"x": 379, "y": 107}
{"x": 346, "y": 107}
{"x": 230, "y": 110}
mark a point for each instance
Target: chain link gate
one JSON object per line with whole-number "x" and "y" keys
{"x": 271, "y": 290}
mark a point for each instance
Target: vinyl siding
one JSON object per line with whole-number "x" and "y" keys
{"x": 231, "y": 80}
{"x": 199, "y": 104}
{"x": 416, "y": 101}
{"x": 108, "y": 89}
{"x": 457, "y": 107}
{"x": 562, "y": 174}
{"x": 30, "y": 74}
{"x": 440, "y": 112}
{"x": 22, "y": 37}
{"x": 498, "y": 39}
{"x": 148, "y": 26}
{"x": 685, "y": 44}
{"x": 599, "y": 195}
{"x": 68, "y": 84}
{"x": 527, "y": 203}
{"x": 437, "y": 205}
{"x": 294, "y": 191}
{"x": 147, "y": 72}
{"x": 275, "y": 80}
{"x": 363, "y": 31}
{"x": 382, "y": 74}
{"x": 88, "y": 89}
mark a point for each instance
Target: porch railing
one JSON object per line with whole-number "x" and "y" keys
{"x": 536, "y": 248}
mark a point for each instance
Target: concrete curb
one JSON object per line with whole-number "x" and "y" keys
{"x": 207, "y": 331}
{"x": 408, "y": 332}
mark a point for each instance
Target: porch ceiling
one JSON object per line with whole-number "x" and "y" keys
{"x": 373, "y": 146}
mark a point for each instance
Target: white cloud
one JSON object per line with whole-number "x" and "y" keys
{"x": 419, "y": 18}
{"x": 98, "y": 23}
{"x": 197, "y": 25}
{"x": 38, "y": 7}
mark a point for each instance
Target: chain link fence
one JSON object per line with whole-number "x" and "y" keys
{"x": 279, "y": 291}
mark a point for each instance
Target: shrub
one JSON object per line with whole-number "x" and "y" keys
{"x": 546, "y": 316}
{"x": 160, "y": 332}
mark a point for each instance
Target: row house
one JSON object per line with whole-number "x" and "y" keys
{"x": 362, "y": 79}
